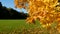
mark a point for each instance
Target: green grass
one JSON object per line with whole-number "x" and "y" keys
{"x": 10, "y": 25}
{"x": 14, "y": 26}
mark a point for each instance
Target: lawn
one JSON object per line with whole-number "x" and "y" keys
{"x": 7, "y": 26}
{"x": 21, "y": 27}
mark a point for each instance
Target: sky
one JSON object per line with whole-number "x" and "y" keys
{"x": 10, "y": 4}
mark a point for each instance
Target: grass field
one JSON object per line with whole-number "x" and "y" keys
{"x": 7, "y": 26}
{"x": 10, "y": 26}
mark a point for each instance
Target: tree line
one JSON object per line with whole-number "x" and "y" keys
{"x": 9, "y": 13}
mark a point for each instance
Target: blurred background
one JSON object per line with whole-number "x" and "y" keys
{"x": 8, "y": 10}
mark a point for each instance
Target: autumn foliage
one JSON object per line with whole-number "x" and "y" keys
{"x": 46, "y": 11}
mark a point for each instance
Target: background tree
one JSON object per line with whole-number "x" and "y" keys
{"x": 0, "y": 4}
{"x": 9, "y": 13}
